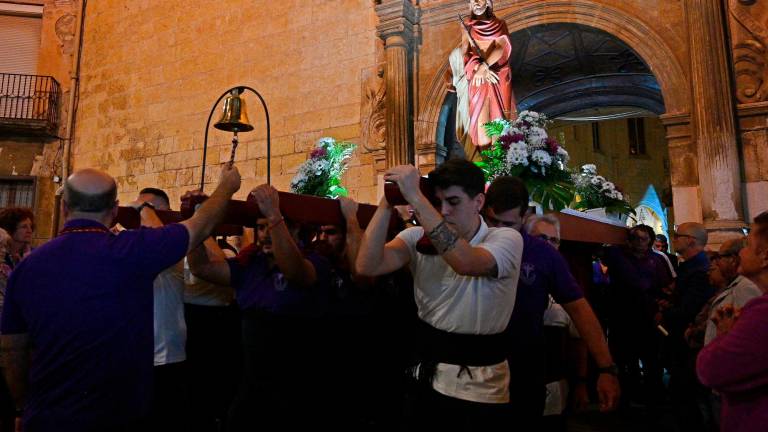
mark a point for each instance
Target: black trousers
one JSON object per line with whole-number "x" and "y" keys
{"x": 213, "y": 364}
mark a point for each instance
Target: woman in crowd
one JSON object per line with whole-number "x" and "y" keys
{"x": 20, "y": 224}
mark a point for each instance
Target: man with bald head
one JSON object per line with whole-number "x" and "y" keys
{"x": 692, "y": 291}
{"x": 81, "y": 307}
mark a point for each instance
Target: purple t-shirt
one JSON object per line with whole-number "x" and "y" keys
{"x": 543, "y": 272}
{"x": 258, "y": 287}
{"x": 85, "y": 300}
{"x": 736, "y": 365}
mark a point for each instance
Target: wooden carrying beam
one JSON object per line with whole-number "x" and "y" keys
{"x": 309, "y": 209}
{"x": 305, "y": 209}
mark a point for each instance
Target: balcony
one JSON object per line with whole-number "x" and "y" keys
{"x": 29, "y": 104}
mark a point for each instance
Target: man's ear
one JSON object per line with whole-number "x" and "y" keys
{"x": 479, "y": 200}
{"x": 763, "y": 256}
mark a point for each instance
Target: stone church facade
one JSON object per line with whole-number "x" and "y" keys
{"x": 373, "y": 72}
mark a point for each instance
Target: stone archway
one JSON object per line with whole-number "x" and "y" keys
{"x": 647, "y": 43}
{"x": 650, "y": 46}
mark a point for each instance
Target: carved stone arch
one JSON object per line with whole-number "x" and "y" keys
{"x": 647, "y": 43}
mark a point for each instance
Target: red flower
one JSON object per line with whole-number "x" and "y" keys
{"x": 506, "y": 141}
{"x": 319, "y": 152}
{"x": 552, "y": 144}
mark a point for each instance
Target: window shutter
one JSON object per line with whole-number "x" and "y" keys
{"x": 20, "y": 36}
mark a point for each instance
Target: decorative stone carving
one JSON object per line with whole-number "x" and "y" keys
{"x": 65, "y": 31}
{"x": 373, "y": 120}
{"x": 749, "y": 38}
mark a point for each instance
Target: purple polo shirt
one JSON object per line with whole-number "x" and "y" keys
{"x": 736, "y": 365}
{"x": 543, "y": 272}
{"x": 635, "y": 287}
{"x": 85, "y": 300}
{"x": 259, "y": 287}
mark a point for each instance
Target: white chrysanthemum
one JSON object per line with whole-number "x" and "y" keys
{"x": 563, "y": 154}
{"x": 537, "y": 136}
{"x": 541, "y": 157}
{"x": 325, "y": 142}
{"x": 608, "y": 186}
{"x": 517, "y": 154}
{"x": 597, "y": 180}
{"x": 589, "y": 169}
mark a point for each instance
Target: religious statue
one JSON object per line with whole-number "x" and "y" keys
{"x": 486, "y": 49}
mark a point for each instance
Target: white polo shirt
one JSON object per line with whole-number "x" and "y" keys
{"x": 468, "y": 305}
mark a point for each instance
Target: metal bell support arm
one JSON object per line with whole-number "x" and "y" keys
{"x": 240, "y": 89}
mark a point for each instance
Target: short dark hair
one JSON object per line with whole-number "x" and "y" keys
{"x": 459, "y": 172}
{"x": 507, "y": 193}
{"x": 647, "y": 229}
{"x": 662, "y": 238}
{"x": 11, "y": 217}
{"x": 90, "y": 203}
{"x": 158, "y": 193}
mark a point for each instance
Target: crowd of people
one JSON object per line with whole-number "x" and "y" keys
{"x": 468, "y": 319}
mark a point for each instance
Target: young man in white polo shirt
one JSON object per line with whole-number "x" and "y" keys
{"x": 464, "y": 292}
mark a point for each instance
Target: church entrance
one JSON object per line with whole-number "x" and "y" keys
{"x": 604, "y": 103}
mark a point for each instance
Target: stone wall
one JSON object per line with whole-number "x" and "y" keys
{"x": 632, "y": 173}
{"x": 152, "y": 71}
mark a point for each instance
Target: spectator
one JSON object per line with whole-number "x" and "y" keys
{"x": 637, "y": 280}
{"x": 83, "y": 302}
{"x": 692, "y": 291}
{"x": 662, "y": 245}
{"x": 20, "y": 224}
{"x": 734, "y": 363}
{"x": 7, "y": 411}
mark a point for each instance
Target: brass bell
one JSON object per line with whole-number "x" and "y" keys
{"x": 234, "y": 117}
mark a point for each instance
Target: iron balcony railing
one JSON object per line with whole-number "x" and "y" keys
{"x": 29, "y": 102}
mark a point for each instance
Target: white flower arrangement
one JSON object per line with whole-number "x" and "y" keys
{"x": 595, "y": 191}
{"x": 523, "y": 148}
{"x": 321, "y": 174}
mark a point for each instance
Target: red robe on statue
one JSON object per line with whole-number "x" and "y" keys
{"x": 499, "y": 97}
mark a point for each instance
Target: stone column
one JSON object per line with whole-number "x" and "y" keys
{"x": 713, "y": 117}
{"x": 396, "y": 23}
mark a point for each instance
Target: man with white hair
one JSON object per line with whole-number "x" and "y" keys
{"x": 692, "y": 291}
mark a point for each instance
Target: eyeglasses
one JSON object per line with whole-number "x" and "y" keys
{"x": 328, "y": 232}
{"x": 720, "y": 256}
{"x": 546, "y": 238}
{"x": 681, "y": 235}
{"x": 499, "y": 222}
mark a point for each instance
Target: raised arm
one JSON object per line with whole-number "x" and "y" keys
{"x": 354, "y": 234}
{"x": 463, "y": 258}
{"x": 288, "y": 257}
{"x": 375, "y": 258}
{"x": 213, "y": 209}
{"x": 208, "y": 262}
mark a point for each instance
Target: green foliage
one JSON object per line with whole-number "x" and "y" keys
{"x": 321, "y": 174}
